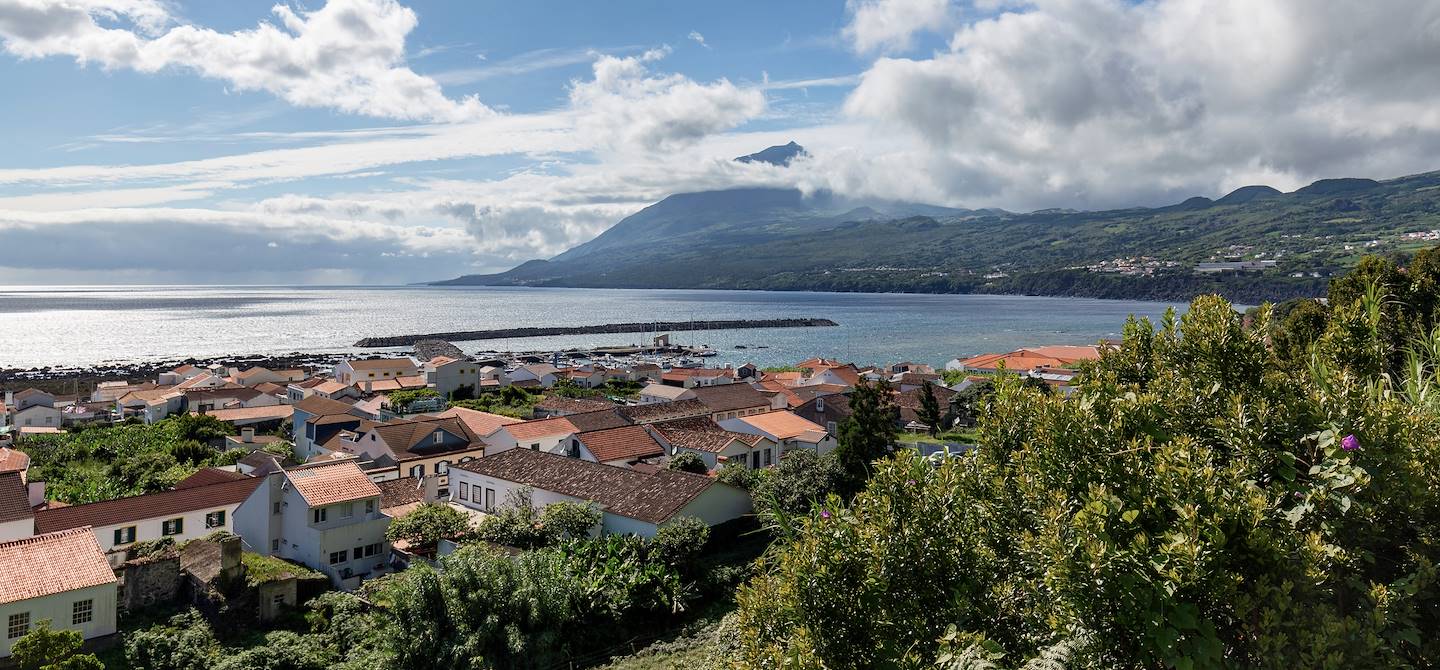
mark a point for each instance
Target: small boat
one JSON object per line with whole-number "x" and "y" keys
{"x": 706, "y": 353}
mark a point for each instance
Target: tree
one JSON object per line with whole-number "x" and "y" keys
{"x": 929, "y": 407}
{"x": 679, "y": 542}
{"x": 570, "y": 519}
{"x": 868, "y": 433}
{"x": 688, "y": 461}
{"x": 400, "y": 401}
{"x": 514, "y": 395}
{"x": 183, "y": 643}
{"x": 44, "y": 648}
{"x": 966, "y": 403}
{"x": 1192, "y": 504}
{"x": 801, "y": 480}
{"x": 429, "y": 523}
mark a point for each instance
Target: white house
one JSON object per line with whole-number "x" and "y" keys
{"x": 206, "y": 504}
{"x": 62, "y": 577}
{"x": 787, "y": 429}
{"x": 715, "y": 445}
{"x": 38, "y": 416}
{"x": 542, "y": 373}
{"x": 446, "y": 375}
{"x": 375, "y": 369}
{"x": 618, "y": 446}
{"x": 631, "y": 501}
{"x": 325, "y": 515}
{"x": 655, "y": 393}
{"x": 548, "y": 435}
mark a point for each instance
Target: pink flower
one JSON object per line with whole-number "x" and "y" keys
{"x": 1350, "y": 443}
{"x": 824, "y": 514}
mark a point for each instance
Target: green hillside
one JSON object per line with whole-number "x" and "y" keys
{"x": 778, "y": 239}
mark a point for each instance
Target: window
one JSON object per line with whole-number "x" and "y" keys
{"x": 174, "y": 526}
{"x": 275, "y": 545}
{"x": 125, "y": 535}
{"x": 309, "y": 430}
{"x": 359, "y": 551}
{"x": 369, "y": 506}
{"x": 755, "y": 460}
{"x": 337, "y": 557}
{"x": 464, "y": 491}
{"x": 418, "y": 471}
{"x": 276, "y": 507}
{"x": 372, "y": 549}
{"x": 19, "y": 624}
{"x": 443, "y": 467}
{"x": 372, "y": 375}
{"x": 535, "y": 447}
{"x": 439, "y": 437}
{"x": 467, "y": 459}
{"x": 819, "y": 404}
{"x": 346, "y": 510}
{"x": 83, "y": 611}
{"x": 278, "y": 600}
{"x": 320, "y": 514}
{"x": 215, "y": 519}
{"x": 767, "y": 458}
{"x": 489, "y": 499}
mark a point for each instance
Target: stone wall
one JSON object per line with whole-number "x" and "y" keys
{"x": 146, "y": 582}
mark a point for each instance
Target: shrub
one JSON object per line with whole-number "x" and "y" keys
{"x": 680, "y": 541}
{"x": 44, "y": 648}
{"x": 799, "y": 481}
{"x": 688, "y": 461}
{"x": 427, "y": 524}
{"x": 570, "y": 519}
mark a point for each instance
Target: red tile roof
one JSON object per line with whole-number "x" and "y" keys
{"x": 52, "y": 563}
{"x": 14, "y": 498}
{"x": 527, "y": 430}
{"x": 148, "y": 506}
{"x": 728, "y": 397}
{"x": 329, "y": 483}
{"x": 13, "y": 460}
{"x": 208, "y": 476}
{"x": 665, "y": 411}
{"x": 626, "y": 443}
{"x": 479, "y": 423}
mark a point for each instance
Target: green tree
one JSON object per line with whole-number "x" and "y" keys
{"x": 679, "y": 542}
{"x": 427, "y": 524}
{"x": 801, "y": 480}
{"x": 570, "y": 519}
{"x": 965, "y": 405}
{"x": 930, "y": 408}
{"x": 1193, "y": 504}
{"x": 44, "y": 648}
{"x": 688, "y": 461}
{"x": 186, "y": 642}
{"x": 868, "y": 433}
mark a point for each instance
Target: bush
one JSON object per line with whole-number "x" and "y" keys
{"x": 570, "y": 519}
{"x": 429, "y": 523}
{"x": 44, "y": 648}
{"x": 1194, "y": 504}
{"x": 680, "y": 541}
{"x": 186, "y": 642}
{"x": 688, "y": 461}
{"x": 799, "y": 481}
{"x": 741, "y": 476}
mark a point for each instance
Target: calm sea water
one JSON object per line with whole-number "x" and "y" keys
{"x": 74, "y": 326}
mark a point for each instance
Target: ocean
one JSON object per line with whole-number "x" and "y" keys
{"x": 89, "y": 325}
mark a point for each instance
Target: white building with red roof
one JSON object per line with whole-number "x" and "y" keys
{"x": 325, "y": 515}
{"x": 62, "y": 577}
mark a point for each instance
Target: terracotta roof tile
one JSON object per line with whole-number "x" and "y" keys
{"x": 480, "y": 423}
{"x": 329, "y": 483}
{"x": 783, "y": 425}
{"x": 527, "y": 430}
{"x": 653, "y": 497}
{"x": 52, "y": 563}
{"x": 208, "y": 476}
{"x": 701, "y": 434}
{"x": 728, "y": 397}
{"x": 14, "y": 498}
{"x": 13, "y": 460}
{"x": 400, "y": 492}
{"x": 557, "y": 403}
{"x": 625, "y": 443}
{"x": 148, "y": 506}
{"x": 665, "y": 411}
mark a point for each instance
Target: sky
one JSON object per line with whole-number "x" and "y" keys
{"x": 385, "y": 141}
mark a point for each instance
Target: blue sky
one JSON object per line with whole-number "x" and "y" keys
{"x": 382, "y": 141}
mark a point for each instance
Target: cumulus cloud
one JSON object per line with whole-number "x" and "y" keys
{"x": 348, "y": 55}
{"x": 888, "y": 25}
{"x": 626, "y": 106}
{"x": 1109, "y": 103}
{"x": 697, "y": 38}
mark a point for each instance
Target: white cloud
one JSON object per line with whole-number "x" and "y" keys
{"x": 1109, "y": 103}
{"x": 888, "y": 25}
{"x": 697, "y": 38}
{"x": 348, "y": 55}
{"x": 627, "y": 107}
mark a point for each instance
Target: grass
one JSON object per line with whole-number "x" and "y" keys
{"x": 261, "y": 569}
{"x": 962, "y": 436}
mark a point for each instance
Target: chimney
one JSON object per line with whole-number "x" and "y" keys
{"x": 247, "y": 435}
{"x": 9, "y": 398}
{"x": 367, "y": 386}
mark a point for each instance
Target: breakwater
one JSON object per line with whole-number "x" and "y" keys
{"x": 645, "y": 327}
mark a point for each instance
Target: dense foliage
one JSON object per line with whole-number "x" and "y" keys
{"x": 44, "y": 648}
{"x": 426, "y": 525}
{"x": 688, "y": 461}
{"x": 103, "y": 463}
{"x": 511, "y": 401}
{"x": 519, "y": 523}
{"x": 1195, "y": 504}
{"x": 868, "y": 433}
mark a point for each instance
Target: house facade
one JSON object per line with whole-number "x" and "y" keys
{"x": 325, "y": 515}
{"x": 355, "y": 372}
{"x": 182, "y": 514}
{"x": 62, "y": 577}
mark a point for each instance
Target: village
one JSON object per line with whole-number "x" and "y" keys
{"x": 324, "y": 461}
